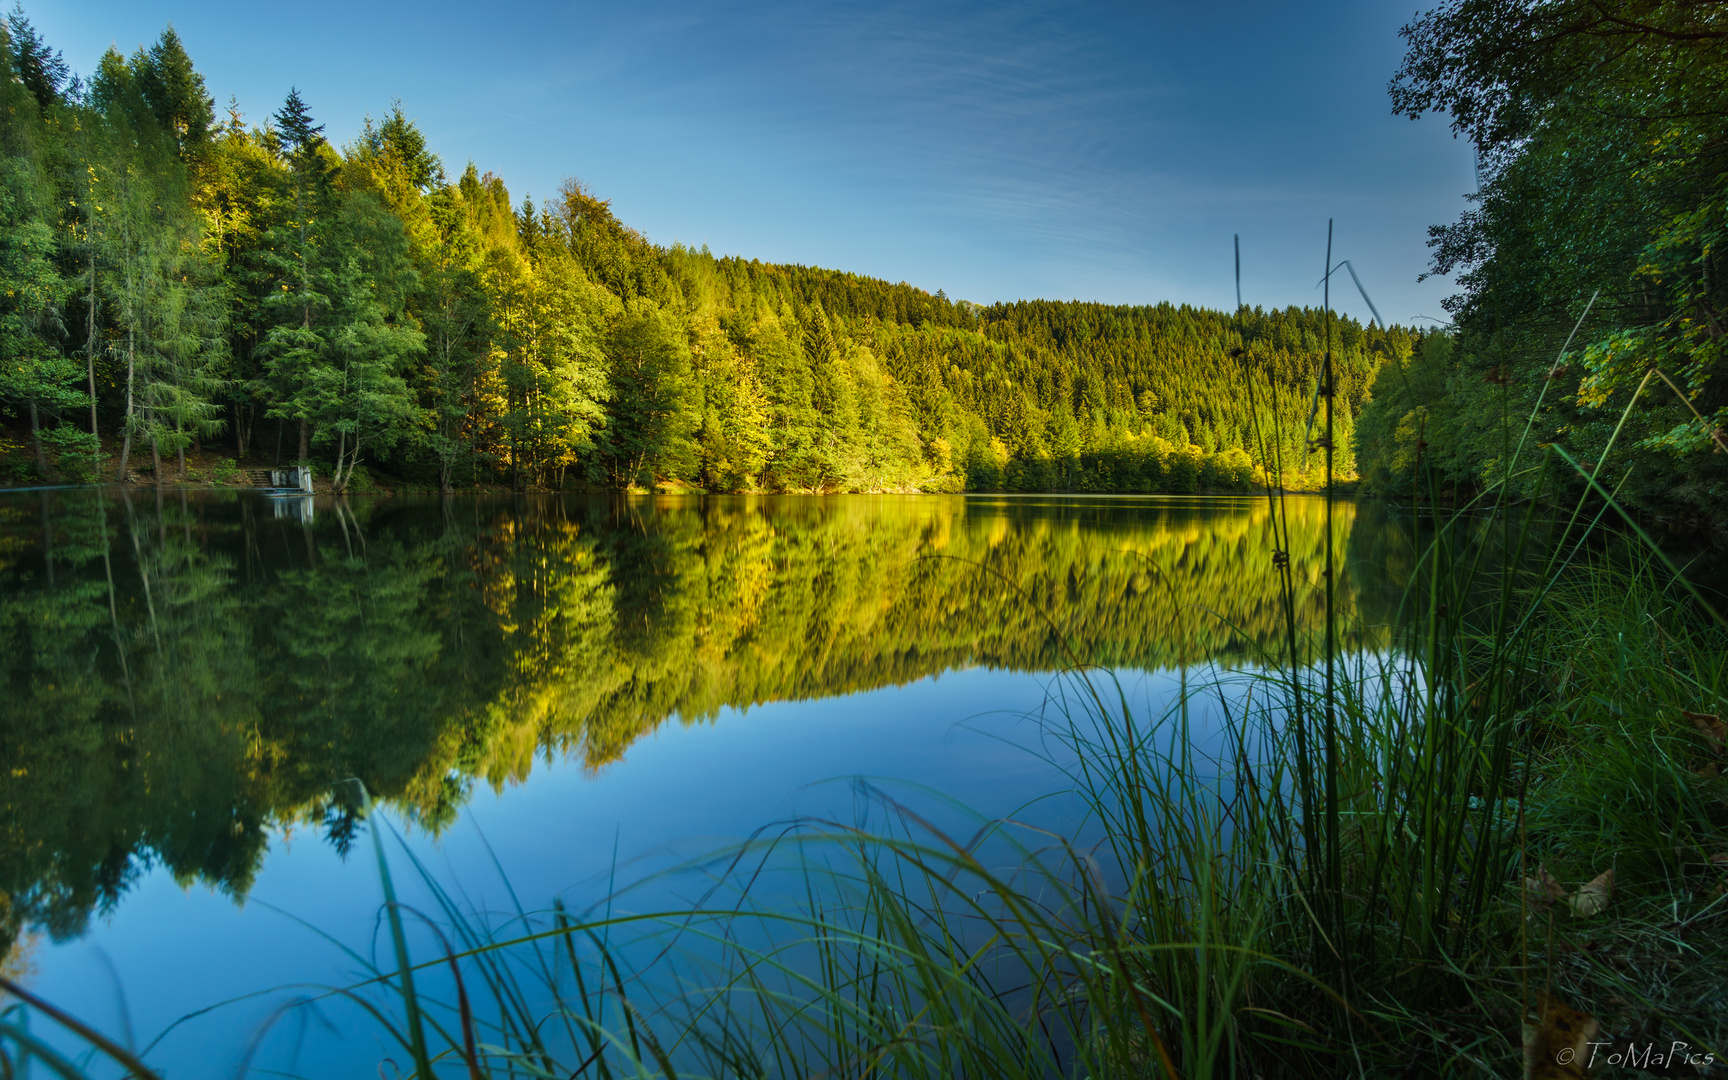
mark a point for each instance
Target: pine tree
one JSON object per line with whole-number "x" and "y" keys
{"x": 299, "y": 135}
{"x": 293, "y": 345}
{"x": 175, "y": 93}
{"x": 42, "y": 70}
{"x": 32, "y": 370}
{"x": 459, "y": 324}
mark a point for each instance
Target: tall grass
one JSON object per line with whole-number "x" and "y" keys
{"x": 1312, "y": 865}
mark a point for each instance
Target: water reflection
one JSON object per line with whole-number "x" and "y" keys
{"x": 183, "y": 673}
{"x": 293, "y": 507}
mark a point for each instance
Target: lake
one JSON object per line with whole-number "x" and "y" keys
{"x": 552, "y": 694}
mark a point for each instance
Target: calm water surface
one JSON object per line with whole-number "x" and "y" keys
{"x": 554, "y": 692}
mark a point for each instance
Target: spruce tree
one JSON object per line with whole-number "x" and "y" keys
{"x": 175, "y": 93}
{"x": 42, "y": 70}
{"x": 300, "y": 136}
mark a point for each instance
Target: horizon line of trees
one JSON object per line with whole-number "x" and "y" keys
{"x": 173, "y": 277}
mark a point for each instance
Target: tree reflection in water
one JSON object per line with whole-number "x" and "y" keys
{"x": 184, "y": 673}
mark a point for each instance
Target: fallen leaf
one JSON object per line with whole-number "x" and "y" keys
{"x": 1711, "y": 727}
{"x": 1591, "y": 899}
{"x": 1556, "y": 1047}
{"x": 1706, "y": 771}
{"x": 1720, "y": 859}
{"x": 1544, "y": 888}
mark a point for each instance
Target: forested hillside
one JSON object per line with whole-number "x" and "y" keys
{"x": 1602, "y": 135}
{"x": 181, "y": 280}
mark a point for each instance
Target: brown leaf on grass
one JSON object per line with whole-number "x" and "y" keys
{"x": 1591, "y": 899}
{"x": 1710, "y": 726}
{"x": 1720, "y": 859}
{"x": 1557, "y": 1046}
{"x": 1544, "y": 888}
{"x": 1706, "y": 771}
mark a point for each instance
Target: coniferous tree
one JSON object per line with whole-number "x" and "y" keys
{"x": 345, "y": 358}
{"x": 459, "y": 325}
{"x": 175, "y": 94}
{"x": 32, "y": 370}
{"x": 299, "y": 302}
{"x": 41, "y": 70}
{"x": 647, "y": 429}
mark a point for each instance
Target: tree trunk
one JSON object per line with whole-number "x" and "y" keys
{"x": 90, "y": 350}
{"x": 337, "y": 482}
{"x": 36, "y": 437}
{"x": 155, "y": 462}
{"x": 305, "y": 442}
{"x": 182, "y": 454}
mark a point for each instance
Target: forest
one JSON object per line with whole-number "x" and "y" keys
{"x": 1590, "y": 315}
{"x": 179, "y": 280}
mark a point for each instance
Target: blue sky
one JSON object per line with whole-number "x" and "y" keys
{"x": 996, "y": 151}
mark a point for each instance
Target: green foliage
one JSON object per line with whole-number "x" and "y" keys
{"x": 226, "y": 471}
{"x": 154, "y": 298}
{"x": 353, "y": 391}
{"x": 1603, "y": 140}
{"x": 646, "y": 429}
{"x": 32, "y": 372}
